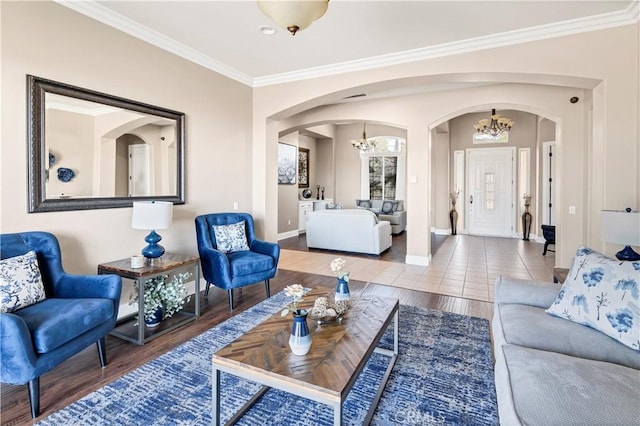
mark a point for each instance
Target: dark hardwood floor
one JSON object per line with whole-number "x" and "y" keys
{"x": 82, "y": 374}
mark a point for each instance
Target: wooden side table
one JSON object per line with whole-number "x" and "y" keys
{"x": 169, "y": 263}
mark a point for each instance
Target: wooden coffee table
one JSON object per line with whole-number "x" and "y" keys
{"x": 339, "y": 352}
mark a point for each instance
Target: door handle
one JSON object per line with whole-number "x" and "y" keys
{"x": 471, "y": 199}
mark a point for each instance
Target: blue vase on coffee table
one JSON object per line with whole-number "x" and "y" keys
{"x": 342, "y": 291}
{"x": 300, "y": 340}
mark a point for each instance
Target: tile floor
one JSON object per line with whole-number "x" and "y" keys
{"x": 463, "y": 266}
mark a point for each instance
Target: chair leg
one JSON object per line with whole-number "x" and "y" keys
{"x": 546, "y": 244}
{"x": 102, "y": 352}
{"x": 34, "y": 396}
{"x": 206, "y": 290}
{"x": 266, "y": 286}
{"x": 230, "y": 291}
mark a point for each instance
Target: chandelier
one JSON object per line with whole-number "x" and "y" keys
{"x": 294, "y": 15}
{"x": 494, "y": 127}
{"x": 363, "y": 144}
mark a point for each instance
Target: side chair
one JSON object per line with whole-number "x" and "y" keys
{"x": 48, "y": 315}
{"x": 236, "y": 258}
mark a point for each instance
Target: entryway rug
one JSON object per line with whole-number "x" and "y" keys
{"x": 443, "y": 376}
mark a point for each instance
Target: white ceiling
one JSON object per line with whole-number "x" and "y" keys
{"x": 354, "y": 34}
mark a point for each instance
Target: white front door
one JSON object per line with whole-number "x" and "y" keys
{"x": 490, "y": 191}
{"x": 139, "y": 183}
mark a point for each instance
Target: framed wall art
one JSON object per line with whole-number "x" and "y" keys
{"x": 303, "y": 168}
{"x": 287, "y": 164}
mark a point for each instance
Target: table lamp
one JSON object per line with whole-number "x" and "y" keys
{"x": 621, "y": 227}
{"x": 152, "y": 215}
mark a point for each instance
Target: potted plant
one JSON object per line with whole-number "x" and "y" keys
{"x": 162, "y": 299}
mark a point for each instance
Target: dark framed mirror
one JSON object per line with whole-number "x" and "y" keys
{"x": 90, "y": 150}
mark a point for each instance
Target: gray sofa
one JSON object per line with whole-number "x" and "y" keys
{"x": 397, "y": 218}
{"x": 551, "y": 371}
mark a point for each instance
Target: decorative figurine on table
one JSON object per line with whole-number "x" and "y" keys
{"x": 322, "y": 189}
{"x": 317, "y": 192}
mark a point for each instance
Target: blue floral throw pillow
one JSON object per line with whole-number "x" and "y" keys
{"x": 20, "y": 282}
{"x": 231, "y": 238}
{"x": 602, "y": 293}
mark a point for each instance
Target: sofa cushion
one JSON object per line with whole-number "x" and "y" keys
{"x": 20, "y": 282}
{"x": 555, "y": 389}
{"x": 365, "y": 204}
{"x": 399, "y": 207}
{"x": 530, "y": 326}
{"x": 249, "y": 262}
{"x": 603, "y": 294}
{"x": 54, "y": 322}
{"x": 231, "y": 238}
{"x": 388, "y": 207}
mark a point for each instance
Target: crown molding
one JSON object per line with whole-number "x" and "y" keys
{"x": 575, "y": 26}
{"x": 106, "y": 16}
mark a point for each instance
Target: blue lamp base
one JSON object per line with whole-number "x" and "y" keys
{"x": 153, "y": 250}
{"x": 628, "y": 254}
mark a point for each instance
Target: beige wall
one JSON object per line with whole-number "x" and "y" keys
{"x": 51, "y": 41}
{"x": 600, "y": 67}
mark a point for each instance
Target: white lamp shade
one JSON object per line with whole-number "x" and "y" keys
{"x": 151, "y": 214}
{"x": 299, "y": 13}
{"x": 620, "y": 227}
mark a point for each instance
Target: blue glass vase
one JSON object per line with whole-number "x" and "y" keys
{"x": 342, "y": 291}
{"x": 300, "y": 340}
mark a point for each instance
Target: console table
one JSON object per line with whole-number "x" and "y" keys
{"x": 133, "y": 329}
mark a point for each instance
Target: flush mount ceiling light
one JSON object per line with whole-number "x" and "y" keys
{"x": 494, "y": 127}
{"x": 294, "y": 15}
{"x": 363, "y": 144}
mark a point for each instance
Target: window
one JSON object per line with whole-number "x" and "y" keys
{"x": 383, "y": 169}
{"x": 489, "y": 191}
{"x": 383, "y": 174}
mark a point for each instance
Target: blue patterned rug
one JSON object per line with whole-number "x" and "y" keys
{"x": 443, "y": 376}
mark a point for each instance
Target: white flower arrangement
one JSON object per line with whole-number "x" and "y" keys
{"x": 171, "y": 296}
{"x": 336, "y": 267}
{"x": 296, "y": 292}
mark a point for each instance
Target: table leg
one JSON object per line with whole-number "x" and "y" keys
{"x": 197, "y": 295}
{"x": 140, "y": 283}
{"x": 215, "y": 394}
{"x": 337, "y": 414}
{"x": 396, "y": 332}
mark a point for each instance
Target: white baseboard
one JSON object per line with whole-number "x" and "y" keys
{"x": 418, "y": 260}
{"x": 442, "y": 231}
{"x": 288, "y": 234}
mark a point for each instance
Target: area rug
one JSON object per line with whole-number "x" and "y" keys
{"x": 443, "y": 376}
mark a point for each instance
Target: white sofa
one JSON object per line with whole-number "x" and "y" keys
{"x": 352, "y": 230}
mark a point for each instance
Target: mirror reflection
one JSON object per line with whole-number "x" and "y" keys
{"x": 96, "y": 150}
{"x": 91, "y": 150}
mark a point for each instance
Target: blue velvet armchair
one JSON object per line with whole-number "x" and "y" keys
{"x": 235, "y": 269}
{"x": 79, "y": 310}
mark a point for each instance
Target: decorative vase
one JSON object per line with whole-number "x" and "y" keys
{"x": 453, "y": 217}
{"x": 155, "y": 320}
{"x": 342, "y": 291}
{"x": 526, "y": 218}
{"x": 300, "y": 340}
